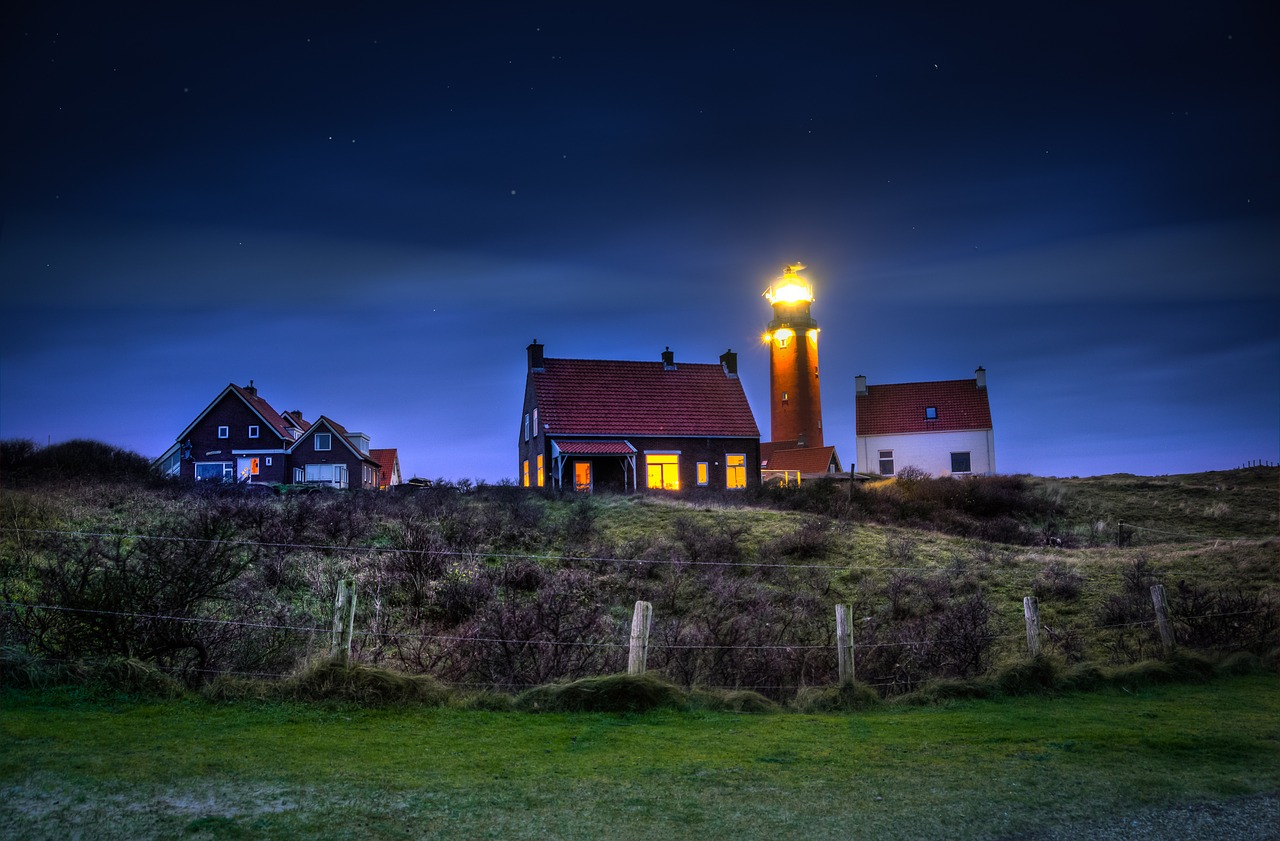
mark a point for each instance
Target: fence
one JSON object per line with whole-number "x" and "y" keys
{"x": 534, "y": 625}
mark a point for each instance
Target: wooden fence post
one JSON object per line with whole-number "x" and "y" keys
{"x": 1162, "y": 617}
{"x": 641, "y": 619}
{"x": 344, "y": 617}
{"x": 1031, "y": 610}
{"x": 844, "y": 643}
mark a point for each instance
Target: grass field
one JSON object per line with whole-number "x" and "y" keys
{"x": 72, "y": 765}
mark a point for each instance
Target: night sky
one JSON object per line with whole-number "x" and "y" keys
{"x": 371, "y": 209}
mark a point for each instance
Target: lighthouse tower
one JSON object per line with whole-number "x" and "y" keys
{"x": 795, "y": 402}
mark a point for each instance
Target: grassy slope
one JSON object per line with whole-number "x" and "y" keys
{"x": 971, "y": 770}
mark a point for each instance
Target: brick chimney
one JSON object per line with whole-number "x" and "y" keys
{"x": 980, "y": 378}
{"x": 253, "y": 392}
{"x": 535, "y": 356}
{"x": 668, "y": 360}
{"x": 860, "y": 384}
{"x": 729, "y": 362}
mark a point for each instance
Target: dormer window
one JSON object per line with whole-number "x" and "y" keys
{"x": 324, "y": 441}
{"x": 253, "y": 432}
{"x": 931, "y": 413}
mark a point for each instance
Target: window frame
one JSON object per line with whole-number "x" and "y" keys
{"x": 664, "y": 467}
{"x": 886, "y": 458}
{"x": 542, "y": 473}
{"x": 703, "y": 474}
{"x": 224, "y": 431}
{"x": 228, "y": 471}
{"x": 735, "y": 475}
{"x": 930, "y": 412}
{"x": 254, "y": 429}
{"x": 328, "y": 442}
{"x": 968, "y": 458}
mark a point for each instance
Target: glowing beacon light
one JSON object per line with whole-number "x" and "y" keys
{"x": 790, "y": 288}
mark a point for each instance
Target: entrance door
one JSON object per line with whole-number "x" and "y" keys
{"x": 582, "y": 476}
{"x": 247, "y": 469}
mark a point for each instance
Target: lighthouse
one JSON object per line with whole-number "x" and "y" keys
{"x": 795, "y": 401}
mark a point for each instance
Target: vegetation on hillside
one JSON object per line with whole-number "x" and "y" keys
{"x": 498, "y": 587}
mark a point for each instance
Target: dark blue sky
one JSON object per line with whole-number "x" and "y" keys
{"x": 371, "y": 209}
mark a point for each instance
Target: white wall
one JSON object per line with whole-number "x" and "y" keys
{"x": 930, "y": 451}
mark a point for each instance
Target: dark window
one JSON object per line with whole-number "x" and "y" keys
{"x": 886, "y": 462}
{"x": 224, "y": 431}
{"x": 960, "y": 463}
{"x": 324, "y": 441}
{"x": 931, "y": 413}
{"x": 253, "y": 432}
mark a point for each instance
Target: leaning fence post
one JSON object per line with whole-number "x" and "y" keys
{"x": 1162, "y": 617}
{"x": 641, "y": 619}
{"x": 344, "y": 617}
{"x": 1031, "y": 610}
{"x": 844, "y": 643}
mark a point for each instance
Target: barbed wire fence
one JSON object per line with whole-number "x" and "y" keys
{"x": 509, "y": 650}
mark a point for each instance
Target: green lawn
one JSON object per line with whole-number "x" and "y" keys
{"x": 193, "y": 769}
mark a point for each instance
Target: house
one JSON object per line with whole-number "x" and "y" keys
{"x": 594, "y": 424}
{"x": 943, "y": 428}
{"x": 388, "y": 467}
{"x": 240, "y": 437}
{"x": 788, "y": 463}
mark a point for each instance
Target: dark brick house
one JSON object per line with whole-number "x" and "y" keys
{"x": 240, "y": 437}
{"x": 591, "y": 424}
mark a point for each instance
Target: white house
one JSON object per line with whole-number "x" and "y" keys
{"x": 943, "y": 428}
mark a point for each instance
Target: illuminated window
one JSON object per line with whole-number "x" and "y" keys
{"x": 253, "y": 432}
{"x": 542, "y": 476}
{"x": 224, "y": 432}
{"x": 582, "y": 476}
{"x": 524, "y": 473}
{"x": 960, "y": 463}
{"x": 735, "y": 471}
{"x": 886, "y": 462}
{"x": 663, "y": 471}
{"x": 324, "y": 441}
{"x": 702, "y": 473}
{"x": 931, "y": 413}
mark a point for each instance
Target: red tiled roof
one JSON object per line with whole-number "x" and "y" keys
{"x": 262, "y": 407}
{"x": 806, "y": 460}
{"x": 605, "y": 397}
{"x": 594, "y": 448}
{"x": 386, "y": 459}
{"x": 900, "y": 407}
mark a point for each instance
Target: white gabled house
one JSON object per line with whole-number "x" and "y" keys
{"x": 943, "y": 428}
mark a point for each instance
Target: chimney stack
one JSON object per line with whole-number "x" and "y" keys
{"x": 535, "y": 356}
{"x": 729, "y": 362}
{"x": 253, "y": 392}
{"x": 860, "y": 384}
{"x": 668, "y": 360}
{"x": 980, "y": 377}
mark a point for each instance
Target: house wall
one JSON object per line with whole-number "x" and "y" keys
{"x": 232, "y": 413}
{"x": 930, "y": 451}
{"x": 694, "y": 450}
{"x": 305, "y": 453}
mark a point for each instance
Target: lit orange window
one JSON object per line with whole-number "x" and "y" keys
{"x": 524, "y": 473}
{"x": 542, "y": 476}
{"x": 735, "y": 471}
{"x": 663, "y": 471}
{"x": 702, "y": 473}
{"x": 582, "y": 476}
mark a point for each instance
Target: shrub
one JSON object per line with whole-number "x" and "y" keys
{"x": 1057, "y": 581}
{"x": 607, "y": 694}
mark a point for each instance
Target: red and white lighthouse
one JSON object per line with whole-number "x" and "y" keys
{"x": 795, "y": 401}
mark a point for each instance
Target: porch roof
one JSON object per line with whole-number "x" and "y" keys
{"x": 594, "y": 448}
